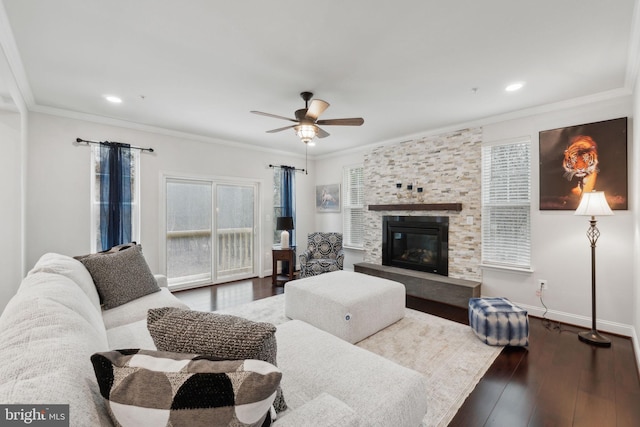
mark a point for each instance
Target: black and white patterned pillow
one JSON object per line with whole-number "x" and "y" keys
{"x": 154, "y": 388}
{"x": 220, "y": 336}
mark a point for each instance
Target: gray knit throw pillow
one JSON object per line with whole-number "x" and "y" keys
{"x": 121, "y": 276}
{"x": 219, "y": 336}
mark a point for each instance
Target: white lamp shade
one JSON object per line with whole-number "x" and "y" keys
{"x": 594, "y": 203}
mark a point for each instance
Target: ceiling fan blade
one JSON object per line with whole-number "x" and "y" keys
{"x": 316, "y": 108}
{"x": 322, "y": 133}
{"x": 356, "y": 121}
{"x": 281, "y": 129}
{"x": 273, "y": 115}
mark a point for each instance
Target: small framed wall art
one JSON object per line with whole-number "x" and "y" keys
{"x": 328, "y": 198}
{"x": 581, "y": 158}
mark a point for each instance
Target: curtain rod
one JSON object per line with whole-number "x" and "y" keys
{"x": 78, "y": 140}
{"x": 290, "y": 167}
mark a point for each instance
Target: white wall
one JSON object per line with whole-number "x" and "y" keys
{"x": 13, "y": 134}
{"x": 10, "y": 204}
{"x": 329, "y": 171}
{"x": 561, "y": 251}
{"x": 635, "y": 203}
{"x": 58, "y": 217}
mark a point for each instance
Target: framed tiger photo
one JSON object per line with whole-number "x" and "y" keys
{"x": 582, "y": 158}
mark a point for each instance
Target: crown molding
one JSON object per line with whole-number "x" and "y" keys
{"x": 518, "y": 114}
{"x": 22, "y": 93}
{"x": 110, "y": 121}
{"x": 547, "y": 108}
{"x": 633, "y": 55}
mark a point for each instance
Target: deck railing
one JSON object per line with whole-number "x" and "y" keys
{"x": 233, "y": 249}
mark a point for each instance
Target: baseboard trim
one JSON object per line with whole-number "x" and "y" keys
{"x": 583, "y": 321}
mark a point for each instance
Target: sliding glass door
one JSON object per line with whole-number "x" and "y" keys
{"x": 236, "y": 213}
{"x": 210, "y": 231}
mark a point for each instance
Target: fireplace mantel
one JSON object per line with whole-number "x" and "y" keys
{"x": 418, "y": 207}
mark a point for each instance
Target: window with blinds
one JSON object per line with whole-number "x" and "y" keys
{"x": 353, "y": 206}
{"x": 506, "y": 204}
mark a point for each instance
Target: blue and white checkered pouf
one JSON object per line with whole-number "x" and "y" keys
{"x": 497, "y": 321}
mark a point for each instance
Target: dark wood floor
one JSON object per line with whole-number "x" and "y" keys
{"x": 557, "y": 381}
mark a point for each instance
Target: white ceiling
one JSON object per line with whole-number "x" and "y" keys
{"x": 406, "y": 67}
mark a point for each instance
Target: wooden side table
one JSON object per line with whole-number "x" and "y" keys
{"x": 279, "y": 254}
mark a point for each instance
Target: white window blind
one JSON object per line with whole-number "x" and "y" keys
{"x": 353, "y": 206}
{"x": 506, "y": 204}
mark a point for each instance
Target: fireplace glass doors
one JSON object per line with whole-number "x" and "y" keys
{"x": 416, "y": 243}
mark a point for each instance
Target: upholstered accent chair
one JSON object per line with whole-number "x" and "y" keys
{"x": 324, "y": 254}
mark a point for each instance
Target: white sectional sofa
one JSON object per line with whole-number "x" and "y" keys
{"x": 54, "y": 323}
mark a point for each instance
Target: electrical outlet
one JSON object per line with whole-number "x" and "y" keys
{"x": 542, "y": 284}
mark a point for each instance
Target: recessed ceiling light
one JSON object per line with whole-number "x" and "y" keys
{"x": 112, "y": 98}
{"x": 514, "y": 86}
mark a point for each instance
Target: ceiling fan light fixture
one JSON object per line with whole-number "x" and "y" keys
{"x": 307, "y": 122}
{"x": 306, "y": 132}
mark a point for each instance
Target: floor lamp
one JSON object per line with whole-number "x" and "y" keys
{"x": 593, "y": 204}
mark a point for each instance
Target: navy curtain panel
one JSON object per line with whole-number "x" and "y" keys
{"x": 115, "y": 194}
{"x": 288, "y": 195}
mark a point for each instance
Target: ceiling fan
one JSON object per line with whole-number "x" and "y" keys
{"x": 307, "y": 122}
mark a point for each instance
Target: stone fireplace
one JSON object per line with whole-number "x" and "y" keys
{"x": 448, "y": 168}
{"x": 418, "y": 243}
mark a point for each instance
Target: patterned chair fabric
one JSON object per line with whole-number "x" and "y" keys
{"x": 498, "y": 321}
{"x": 324, "y": 254}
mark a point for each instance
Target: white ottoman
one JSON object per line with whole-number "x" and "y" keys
{"x": 349, "y": 305}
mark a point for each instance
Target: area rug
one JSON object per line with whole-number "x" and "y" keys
{"x": 446, "y": 352}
